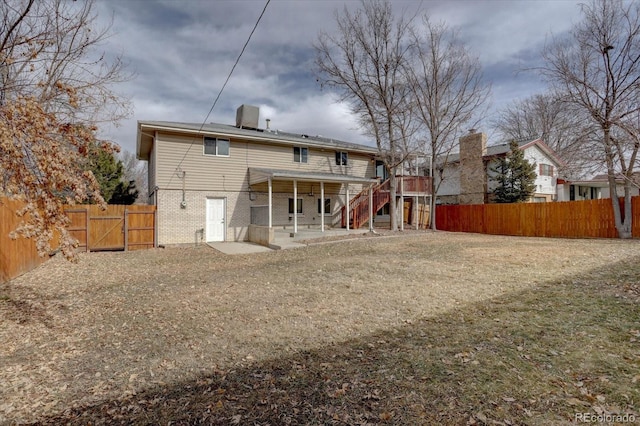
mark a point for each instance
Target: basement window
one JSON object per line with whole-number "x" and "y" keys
{"x": 327, "y": 206}
{"x": 300, "y": 155}
{"x": 298, "y": 206}
{"x": 341, "y": 158}
{"x": 217, "y": 147}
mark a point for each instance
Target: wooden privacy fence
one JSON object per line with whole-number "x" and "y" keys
{"x": 571, "y": 219}
{"x": 116, "y": 228}
{"x": 422, "y": 213}
{"x": 16, "y": 256}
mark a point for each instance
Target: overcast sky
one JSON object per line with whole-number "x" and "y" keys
{"x": 182, "y": 51}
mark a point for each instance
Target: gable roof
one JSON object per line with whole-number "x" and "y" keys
{"x": 503, "y": 148}
{"x": 145, "y": 140}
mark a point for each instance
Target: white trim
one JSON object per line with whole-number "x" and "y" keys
{"x": 295, "y": 206}
{"x": 322, "y": 206}
{"x": 270, "y": 203}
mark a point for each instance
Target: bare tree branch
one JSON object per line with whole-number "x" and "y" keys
{"x": 56, "y": 88}
{"x": 365, "y": 63}
{"x": 598, "y": 68}
{"x": 447, "y": 88}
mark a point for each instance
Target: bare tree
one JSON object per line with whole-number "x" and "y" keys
{"x": 56, "y": 87}
{"x": 50, "y": 50}
{"x": 448, "y": 91}
{"x": 560, "y": 124}
{"x": 598, "y": 67}
{"x": 365, "y": 62}
{"x": 136, "y": 171}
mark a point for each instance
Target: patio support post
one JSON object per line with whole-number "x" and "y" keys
{"x": 418, "y": 187}
{"x": 270, "y": 202}
{"x": 295, "y": 206}
{"x": 402, "y": 200}
{"x": 416, "y": 215}
{"x": 370, "y": 208}
{"x": 322, "y": 206}
{"x": 347, "y": 205}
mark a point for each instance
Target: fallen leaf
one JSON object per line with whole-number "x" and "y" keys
{"x": 385, "y": 416}
{"x": 576, "y": 401}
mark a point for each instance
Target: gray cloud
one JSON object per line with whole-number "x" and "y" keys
{"x": 182, "y": 51}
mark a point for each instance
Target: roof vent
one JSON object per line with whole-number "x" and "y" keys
{"x": 247, "y": 116}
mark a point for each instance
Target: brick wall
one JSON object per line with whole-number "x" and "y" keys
{"x": 472, "y": 173}
{"x": 177, "y": 225}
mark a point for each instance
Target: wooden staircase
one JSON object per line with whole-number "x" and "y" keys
{"x": 359, "y": 205}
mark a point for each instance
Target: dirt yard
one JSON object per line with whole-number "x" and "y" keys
{"x": 116, "y": 329}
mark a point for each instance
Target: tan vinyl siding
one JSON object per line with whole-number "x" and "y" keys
{"x": 221, "y": 173}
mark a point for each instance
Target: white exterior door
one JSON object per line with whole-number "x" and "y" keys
{"x": 215, "y": 219}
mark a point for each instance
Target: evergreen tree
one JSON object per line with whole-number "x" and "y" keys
{"x": 514, "y": 175}
{"x": 106, "y": 169}
{"x": 125, "y": 193}
{"x": 109, "y": 172}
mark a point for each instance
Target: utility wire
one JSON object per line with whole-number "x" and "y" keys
{"x": 221, "y": 89}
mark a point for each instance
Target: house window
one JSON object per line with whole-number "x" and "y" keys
{"x": 546, "y": 170}
{"x": 299, "y": 206}
{"x": 300, "y": 155}
{"x": 215, "y": 146}
{"x": 341, "y": 158}
{"x": 384, "y": 211}
{"x": 381, "y": 171}
{"x": 327, "y": 206}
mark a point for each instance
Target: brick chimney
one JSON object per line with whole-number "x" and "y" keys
{"x": 473, "y": 179}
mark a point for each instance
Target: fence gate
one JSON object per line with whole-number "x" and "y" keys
{"x": 116, "y": 228}
{"x": 106, "y": 233}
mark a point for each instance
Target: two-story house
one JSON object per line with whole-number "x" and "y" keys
{"x": 465, "y": 177}
{"x": 212, "y": 182}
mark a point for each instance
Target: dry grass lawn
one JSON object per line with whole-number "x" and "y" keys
{"x": 421, "y": 328}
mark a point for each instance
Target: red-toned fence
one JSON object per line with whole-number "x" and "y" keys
{"x": 571, "y": 219}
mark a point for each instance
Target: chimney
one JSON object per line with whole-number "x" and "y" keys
{"x": 268, "y": 120}
{"x": 473, "y": 176}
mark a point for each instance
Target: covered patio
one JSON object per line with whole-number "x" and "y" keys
{"x": 261, "y": 179}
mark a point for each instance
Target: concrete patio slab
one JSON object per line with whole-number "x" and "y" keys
{"x": 234, "y": 247}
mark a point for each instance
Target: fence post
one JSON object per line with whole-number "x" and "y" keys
{"x": 126, "y": 229}
{"x": 87, "y": 220}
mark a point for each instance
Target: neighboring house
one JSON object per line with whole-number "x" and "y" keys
{"x": 211, "y": 182}
{"x": 465, "y": 177}
{"x": 591, "y": 189}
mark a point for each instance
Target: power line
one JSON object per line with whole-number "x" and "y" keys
{"x": 222, "y": 88}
